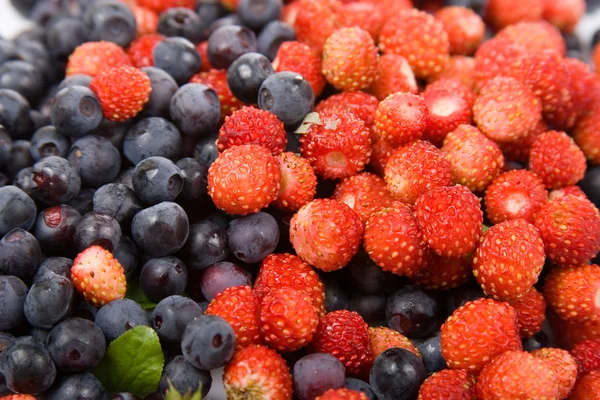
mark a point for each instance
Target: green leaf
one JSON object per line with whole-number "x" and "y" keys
{"x": 135, "y": 293}
{"x": 133, "y": 363}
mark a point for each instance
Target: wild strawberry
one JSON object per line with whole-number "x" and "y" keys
{"x": 337, "y": 145}
{"x": 477, "y": 332}
{"x": 501, "y": 13}
{"x": 448, "y": 232}
{"x": 345, "y": 335}
{"x": 394, "y": 74}
{"x": 362, "y": 104}
{"x": 517, "y": 194}
{"x": 238, "y": 306}
{"x": 573, "y": 332}
{"x": 516, "y": 375}
{"x": 230, "y": 4}
{"x": 519, "y": 149}
{"x": 382, "y": 150}
{"x": 495, "y": 57}
{"x": 298, "y": 57}
{"x": 392, "y": 7}
{"x": 563, "y": 365}
{"x": 596, "y": 58}
{"x": 202, "y": 48}
{"x": 250, "y": 125}
{"x": 585, "y": 86}
{"x": 98, "y": 276}
{"x": 448, "y": 384}
{"x": 460, "y": 68}
{"x": 564, "y": 14}
{"x": 587, "y": 355}
{"x": 18, "y": 397}
{"x": 567, "y": 190}
{"x": 449, "y": 85}
{"x": 216, "y": 79}
{"x": 587, "y": 387}
{"x": 306, "y": 15}
{"x": 464, "y": 27}
{"x": 146, "y": 20}
{"x": 350, "y": 59}
{"x": 326, "y": 234}
{"x": 587, "y": 136}
{"x": 140, "y": 50}
{"x": 418, "y": 37}
{"x": 401, "y": 118}
{"x": 531, "y": 312}
{"x": 534, "y": 36}
{"x": 229, "y": 177}
{"x": 443, "y": 273}
{"x": 365, "y": 193}
{"x": 383, "y": 338}
{"x": 257, "y": 372}
{"x": 474, "y": 159}
{"x": 364, "y": 15}
{"x": 342, "y": 394}
{"x": 92, "y": 57}
{"x": 415, "y": 169}
{"x": 298, "y": 182}
{"x": 506, "y": 109}
{"x": 158, "y": 6}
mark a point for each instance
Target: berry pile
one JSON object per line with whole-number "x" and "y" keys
{"x": 304, "y": 199}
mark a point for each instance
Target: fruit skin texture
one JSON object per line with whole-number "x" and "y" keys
{"x": 365, "y": 193}
{"x": 493, "y": 58}
{"x": 587, "y": 136}
{"x": 92, "y": 57}
{"x": 477, "y": 332}
{"x": 587, "y": 387}
{"x": 345, "y": 335}
{"x": 563, "y": 365}
{"x": 18, "y": 397}
{"x": 326, "y": 234}
{"x": 534, "y": 36}
{"x": 443, "y": 273}
{"x": 298, "y": 57}
{"x": 257, "y": 372}
{"x": 501, "y": 13}
{"x": 448, "y": 232}
{"x": 516, "y": 375}
{"x": 158, "y": 6}
{"x": 305, "y": 15}
{"x": 216, "y": 79}
{"x": 448, "y": 384}
{"x": 298, "y": 183}
{"x": 509, "y": 259}
{"x": 460, "y": 68}
{"x": 382, "y": 339}
{"x": 394, "y": 74}
{"x": 342, "y": 394}
{"x": 229, "y": 175}
{"x": 531, "y": 312}
{"x": 570, "y": 228}
{"x": 587, "y": 355}
{"x": 465, "y": 28}
{"x": 250, "y": 125}
{"x": 140, "y": 50}
{"x": 362, "y": 104}
{"x": 98, "y": 276}
{"x": 401, "y": 118}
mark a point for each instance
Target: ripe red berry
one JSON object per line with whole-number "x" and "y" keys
{"x": 202, "y": 48}
{"x": 563, "y": 365}
{"x": 362, "y": 104}
{"x": 534, "y": 36}
{"x": 216, "y": 79}
{"x": 365, "y": 193}
{"x": 585, "y": 87}
{"x": 308, "y": 14}
{"x": 465, "y": 28}
{"x": 443, "y": 273}
{"x": 501, "y": 13}
{"x": 383, "y": 338}
{"x": 250, "y": 125}
{"x": 401, "y": 118}
{"x": 92, "y": 57}
{"x": 298, "y": 57}
{"x": 567, "y": 190}
{"x": 364, "y": 15}
{"x": 140, "y": 50}
{"x": 342, "y": 394}
{"x": 146, "y": 20}
{"x": 531, "y": 312}
{"x": 587, "y": 387}
{"x": 564, "y": 14}
{"x": 495, "y": 57}
{"x": 298, "y": 183}
{"x": 587, "y": 355}
{"x": 158, "y": 6}
{"x": 587, "y": 136}
{"x": 460, "y": 68}
{"x": 18, "y": 397}
{"x": 519, "y": 149}
{"x": 448, "y": 384}
{"x": 394, "y": 74}
{"x": 382, "y": 150}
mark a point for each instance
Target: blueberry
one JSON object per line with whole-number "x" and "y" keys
{"x": 83, "y": 202}
{"x": 113, "y": 131}
{"x": 53, "y": 266}
{"x": 536, "y": 341}
{"x": 55, "y": 228}
{"x": 125, "y": 396}
{"x": 316, "y": 373}
{"x": 397, "y": 374}
{"x": 80, "y": 386}
{"x": 163, "y": 277}
{"x": 36, "y": 53}
{"x": 152, "y": 137}
{"x": 272, "y": 36}
{"x": 183, "y": 22}
{"x": 287, "y": 95}
{"x": 229, "y": 42}
{"x": 253, "y": 237}
{"x": 35, "y": 34}
{"x": 195, "y": 178}
{"x": 206, "y": 151}
{"x": 431, "y": 350}
{"x": 17, "y": 209}
{"x": 210, "y": 10}
{"x": 370, "y": 306}
{"x": 56, "y": 180}
{"x": 41, "y": 335}
{"x": 20, "y": 254}
{"x": 46, "y": 142}
{"x": 49, "y": 302}
{"x": 178, "y": 57}
{"x": 5, "y": 145}
{"x": 126, "y": 177}
{"x": 360, "y": 386}
{"x": 97, "y": 229}
{"x": 206, "y": 245}
{"x": 24, "y": 180}
{"x": 39, "y": 119}
{"x": 96, "y": 159}
{"x": 459, "y": 296}
{"x": 208, "y": 342}
{"x": 12, "y": 298}
{"x": 75, "y": 80}
{"x": 14, "y": 114}
{"x": 23, "y": 78}
{"x": 195, "y": 109}
{"x": 76, "y": 345}
{"x": 20, "y": 157}
{"x": 110, "y": 20}
{"x": 335, "y": 297}
{"x": 246, "y": 75}
{"x": 227, "y": 20}
{"x": 163, "y": 88}
{"x": 220, "y": 276}
{"x": 157, "y": 179}
{"x": 591, "y": 184}
{"x": 185, "y": 378}
{"x": 119, "y": 316}
{"x": 85, "y": 310}
{"x": 27, "y": 366}
{"x": 257, "y": 13}
{"x": 414, "y": 312}
{"x": 161, "y": 230}
{"x": 127, "y": 255}
{"x": 7, "y": 50}
{"x": 366, "y": 276}
{"x": 117, "y": 201}
{"x": 172, "y": 315}
{"x": 75, "y": 111}
{"x": 64, "y": 34}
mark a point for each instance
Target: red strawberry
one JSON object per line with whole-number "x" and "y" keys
{"x": 342, "y": 394}
{"x": 443, "y": 273}
{"x": 501, "y": 13}
{"x": 415, "y": 169}
{"x": 383, "y": 338}
{"x": 146, "y": 20}
{"x": 477, "y": 332}
{"x": 474, "y": 159}
{"x": 563, "y": 366}
{"x": 495, "y": 57}
{"x": 298, "y": 182}
{"x": 307, "y": 14}
{"x": 382, "y": 150}
{"x": 98, "y": 276}
{"x": 392, "y": 7}
{"x": 587, "y": 136}
{"x": 587, "y": 387}
{"x": 326, "y": 234}
{"x": 202, "y": 48}
{"x": 238, "y": 306}
{"x": 216, "y": 79}
{"x": 570, "y": 228}
{"x": 418, "y": 37}
{"x": 531, "y": 312}
{"x": 449, "y": 85}
{"x": 362, "y": 104}
{"x": 587, "y": 355}
{"x": 345, "y": 335}
{"x": 451, "y": 220}
{"x": 564, "y": 14}
{"x": 562, "y": 192}
{"x": 158, "y": 6}
{"x": 18, "y": 397}
{"x": 460, "y": 68}
{"x": 394, "y": 74}
{"x": 448, "y": 384}
{"x": 230, "y": 4}
{"x": 464, "y": 27}
{"x": 298, "y": 57}
{"x": 401, "y": 118}
{"x": 596, "y": 57}
{"x": 140, "y": 50}
{"x": 92, "y": 57}
{"x": 519, "y": 149}
{"x": 365, "y": 193}
{"x": 585, "y": 86}
{"x": 364, "y": 15}
{"x": 244, "y": 179}
{"x": 573, "y": 332}
{"x": 534, "y": 36}
{"x": 257, "y": 372}
{"x": 516, "y": 375}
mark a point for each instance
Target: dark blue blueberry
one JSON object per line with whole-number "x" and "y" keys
{"x": 46, "y": 142}
{"x": 287, "y": 95}
{"x": 24, "y": 180}
{"x": 152, "y": 137}
{"x": 126, "y": 177}
{"x": 591, "y": 184}
{"x": 459, "y": 296}
{"x": 97, "y": 229}
{"x": 113, "y": 131}
{"x": 315, "y": 374}
{"x": 83, "y": 202}
{"x": 185, "y": 378}
{"x": 5, "y": 145}
{"x": 4, "y": 180}
{"x": 172, "y": 315}
{"x": 220, "y": 276}
{"x": 75, "y": 111}
{"x": 157, "y": 179}
{"x": 55, "y": 228}
{"x": 253, "y": 237}
{"x": 220, "y": 218}
{"x": 366, "y": 276}
{"x": 27, "y": 366}
{"x": 96, "y": 160}
{"x": 161, "y": 230}
{"x": 20, "y": 254}
{"x": 414, "y": 312}
{"x": 125, "y": 396}
{"x": 182, "y": 22}
{"x": 206, "y": 245}
{"x": 163, "y": 88}
{"x": 370, "y": 306}
{"x": 85, "y": 310}
{"x": 178, "y": 57}
{"x": 163, "y": 277}
{"x": 272, "y": 36}
{"x": 7, "y": 50}
{"x": 336, "y": 297}
{"x": 117, "y": 201}
{"x": 44, "y": 11}
{"x": 195, "y": 109}
{"x": 39, "y": 119}
{"x": 75, "y": 80}
{"x": 127, "y": 255}
{"x": 227, "y": 20}
{"x": 360, "y": 386}
{"x": 246, "y": 75}
{"x": 80, "y": 386}
{"x": 397, "y": 374}
{"x": 206, "y": 151}
{"x": 431, "y": 350}
{"x": 536, "y": 341}
{"x": 194, "y": 179}
{"x": 14, "y": 114}
{"x": 36, "y": 34}
{"x": 110, "y": 20}
{"x": 64, "y": 34}
{"x": 19, "y": 158}
{"x": 37, "y": 54}
{"x": 229, "y": 42}
{"x": 208, "y": 342}
{"x": 53, "y": 266}
{"x": 210, "y": 10}
{"x": 17, "y": 209}
{"x": 41, "y": 335}
{"x": 12, "y": 298}
{"x": 23, "y": 78}
{"x": 119, "y": 316}
{"x": 49, "y": 302}
{"x": 257, "y": 13}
